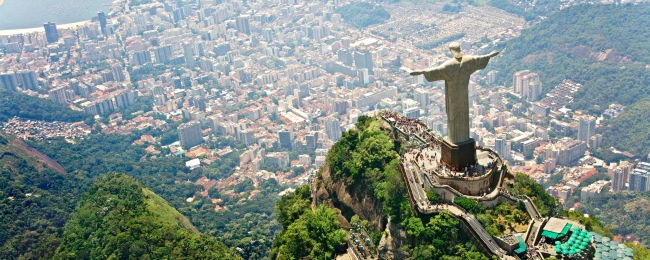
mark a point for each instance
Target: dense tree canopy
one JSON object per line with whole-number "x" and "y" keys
{"x": 440, "y": 239}
{"x": 624, "y": 212}
{"x": 470, "y": 205}
{"x": 367, "y": 157}
{"x": 21, "y": 105}
{"x": 247, "y": 223}
{"x": 306, "y": 234}
{"x": 34, "y": 204}
{"x": 588, "y": 32}
{"x": 631, "y": 130}
{"x": 545, "y": 203}
{"x": 363, "y": 14}
{"x": 118, "y": 217}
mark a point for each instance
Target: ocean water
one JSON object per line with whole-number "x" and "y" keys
{"x": 20, "y": 14}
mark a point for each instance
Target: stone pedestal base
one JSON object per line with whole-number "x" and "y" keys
{"x": 458, "y": 155}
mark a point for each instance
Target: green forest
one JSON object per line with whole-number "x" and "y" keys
{"x": 28, "y": 107}
{"x": 441, "y": 238}
{"x": 248, "y": 223}
{"x": 586, "y": 31}
{"x": 367, "y": 158}
{"x": 35, "y": 202}
{"x": 545, "y": 203}
{"x": 306, "y": 233}
{"x": 362, "y": 14}
{"x": 626, "y": 212}
{"x": 631, "y": 130}
{"x": 119, "y": 218}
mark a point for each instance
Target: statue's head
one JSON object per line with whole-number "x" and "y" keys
{"x": 454, "y": 47}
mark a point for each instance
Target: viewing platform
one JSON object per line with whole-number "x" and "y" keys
{"x": 478, "y": 179}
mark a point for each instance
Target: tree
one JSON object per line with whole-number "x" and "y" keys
{"x": 414, "y": 226}
{"x": 432, "y": 196}
{"x": 292, "y": 206}
{"x": 469, "y": 205}
{"x": 528, "y": 154}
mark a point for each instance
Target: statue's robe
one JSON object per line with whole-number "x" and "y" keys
{"x": 456, "y": 74}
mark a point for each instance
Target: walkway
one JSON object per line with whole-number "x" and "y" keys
{"x": 416, "y": 190}
{"x": 484, "y": 235}
{"x": 422, "y": 164}
{"x": 531, "y": 208}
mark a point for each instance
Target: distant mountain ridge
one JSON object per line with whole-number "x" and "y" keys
{"x": 603, "y": 47}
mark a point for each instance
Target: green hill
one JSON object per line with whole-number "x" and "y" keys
{"x": 603, "y": 47}
{"x": 21, "y": 105}
{"x": 119, "y": 218}
{"x": 631, "y": 130}
{"x": 35, "y": 202}
{"x": 625, "y": 212}
{"x": 362, "y": 14}
{"x": 365, "y": 160}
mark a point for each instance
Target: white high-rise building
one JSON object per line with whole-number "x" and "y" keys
{"x": 190, "y": 134}
{"x": 492, "y": 77}
{"x": 332, "y": 128}
{"x": 534, "y": 90}
{"x": 188, "y": 51}
{"x": 422, "y": 97}
{"x": 118, "y": 72}
{"x": 586, "y": 127}
{"x": 27, "y": 79}
{"x": 58, "y": 95}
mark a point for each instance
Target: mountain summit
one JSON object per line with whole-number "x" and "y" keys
{"x": 118, "y": 217}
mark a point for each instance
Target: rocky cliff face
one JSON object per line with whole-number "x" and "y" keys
{"x": 393, "y": 239}
{"x": 359, "y": 200}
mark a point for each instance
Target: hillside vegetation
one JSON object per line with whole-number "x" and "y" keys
{"x": 362, "y": 14}
{"x": 366, "y": 158}
{"x": 28, "y": 107}
{"x": 306, "y": 233}
{"x": 625, "y": 212}
{"x": 603, "y": 47}
{"x": 247, "y": 223}
{"x": 35, "y": 203}
{"x": 545, "y": 203}
{"x": 631, "y": 130}
{"x": 119, "y": 218}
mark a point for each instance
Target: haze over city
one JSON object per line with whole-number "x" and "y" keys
{"x": 298, "y": 129}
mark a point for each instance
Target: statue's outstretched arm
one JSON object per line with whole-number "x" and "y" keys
{"x": 432, "y": 74}
{"x": 478, "y": 62}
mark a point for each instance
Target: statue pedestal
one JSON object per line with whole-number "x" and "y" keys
{"x": 458, "y": 155}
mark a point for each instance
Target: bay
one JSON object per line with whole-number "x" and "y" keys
{"x": 20, "y": 14}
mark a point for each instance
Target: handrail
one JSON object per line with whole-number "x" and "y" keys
{"x": 477, "y": 230}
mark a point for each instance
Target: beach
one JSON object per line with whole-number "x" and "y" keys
{"x": 40, "y": 29}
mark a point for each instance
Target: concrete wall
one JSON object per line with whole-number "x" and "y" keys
{"x": 493, "y": 202}
{"x": 473, "y": 186}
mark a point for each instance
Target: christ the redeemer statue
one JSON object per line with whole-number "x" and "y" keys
{"x": 456, "y": 72}
{"x": 457, "y": 150}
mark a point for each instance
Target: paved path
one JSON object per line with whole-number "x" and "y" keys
{"x": 425, "y": 207}
{"x": 418, "y": 162}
